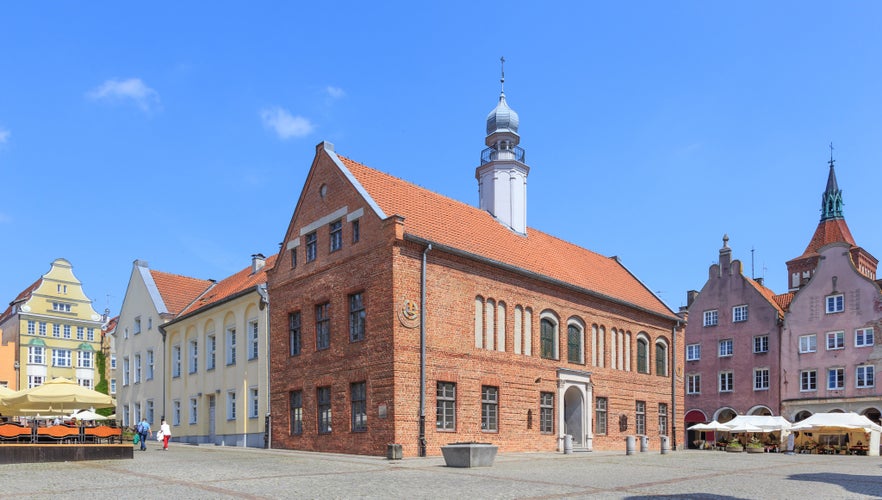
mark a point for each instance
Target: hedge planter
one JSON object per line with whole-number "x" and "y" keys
{"x": 753, "y": 449}
{"x": 469, "y": 454}
{"x": 734, "y": 449}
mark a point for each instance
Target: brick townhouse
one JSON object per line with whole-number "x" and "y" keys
{"x": 399, "y": 315}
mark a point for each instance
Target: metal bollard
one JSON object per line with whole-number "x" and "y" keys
{"x": 629, "y": 445}
{"x": 644, "y": 444}
{"x": 665, "y": 445}
{"x": 568, "y": 444}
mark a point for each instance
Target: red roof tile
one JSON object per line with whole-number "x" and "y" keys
{"x": 783, "y": 300}
{"x": 178, "y": 291}
{"x": 230, "y": 286}
{"x": 24, "y": 296}
{"x": 454, "y": 224}
{"x": 769, "y": 295}
{"x": 828, "y": 231}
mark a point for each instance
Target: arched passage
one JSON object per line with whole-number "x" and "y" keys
{"x": 574, "y": 405}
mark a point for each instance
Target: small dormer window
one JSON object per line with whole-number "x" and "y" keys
{"x": 137, "y": 326}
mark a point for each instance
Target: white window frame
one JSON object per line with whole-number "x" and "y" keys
{"x": 739, "y": 313}
{"x": 231, "y": 405}
{"x": 61, "y": 358}
{"x": 729, "y": 377}
{"x": 176, "y": 412}
{"x": 808, "y": 343}
{"x": 193, "y": 364}
{"x": 693, "y": 352}
{"x": 137, "y": 368}
{"x": 194, "y": 411}
{"x": 693, "y": 383}
{"x": 810, "y": 385}
{"x": 253, "y": 339}
{"x": 835, "y": 303}
{"x": 126, "y": 368}
{"x": 253, "y": 402}
{"x": 231, "y": 345}
{"x": 839, "y": 387}
{"x": 764, "y": 344}
{"x": 761, "y": 379}
{"x": 731, "y": 348}
{"x": 84, "y": 359}
{"x": 176, "y": 360}
{"x": 838, "y": 340}
{"x": 864, "y": 337}
{"x": 113, "y": 386}
{"x": 36, "y": 355}
{"x": 151, "y": 365}
{"x": 869, "y": 372}
{"x": 210, "y": 351}
{"x": 711, "y": 318}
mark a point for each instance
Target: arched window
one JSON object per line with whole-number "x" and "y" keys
{"x": 642, "y": 354}
{"x": 575, "y": 342}
{"x": 548, "y": 337}
{"x": 661, "y": 358}
{"x": 479, "y": 322}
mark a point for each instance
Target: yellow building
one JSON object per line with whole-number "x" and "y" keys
{"x": 50, "y": 330}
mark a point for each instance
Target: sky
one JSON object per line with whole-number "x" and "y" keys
{"x": 181, "y": 133}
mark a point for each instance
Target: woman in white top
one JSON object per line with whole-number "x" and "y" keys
{"x": 165, "y": 430}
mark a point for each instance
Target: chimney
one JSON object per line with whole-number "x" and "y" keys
{"x": 759, "y": 281}
{"x": 691, "y": 295}
{"x": 257, "y": 262}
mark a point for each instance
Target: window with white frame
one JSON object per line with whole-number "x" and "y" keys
{"x": 176, "y": 360}
{"x": 61, "y": 357}
{"x": 113, "y": 386}
{"x": 125, "y": 370}
{"x": 85, "y": 382}
{"x": 60, "y": 307}
{"x": 32, "y": 327}
{"x": 193, "y": 365}
{"x": 42, "y": 328}
{"x": 81, "y": 333}
{"x": 113, "y": 361}
{"x": 137, "y": 326}
{"x": 640, "y": 417}
{"x": 151, "y": 364}
{"x": 761, "y": 344}
{"x": 210, "y": 351}
{"x": 176, "y": 412}
{"x": 126, "y": 415}
{"x": 136, "y": 408}
{"x": 66, "y": 331}
{"x": 231, "y": 405}
{"x": 194, "y": 410}
{"x": 863, "y": 337}
{"x": 137, "y": 368}
{"x": 865, "y": 376}
{"x": 710, "y": 318}
{"x": 693, "y": 383}
{"x": 836, "y": 379}
{"x": 231, "y": 345}
{"x": 726, "y": 381}
{"x": 56, "y": 330}
{"x": 739, "y": 313}
{"x": 726, "y": 348}
{"x": 760, "y": 379}
{"x": 835, "y": 303}
{"x": 253, "y": 339}
{"x": 84, "y": 359}
{"x": 835, "y": 340}
{"x": 90, "y": 334}
{"x": 34, "y": 381}
{"x": 808, "y": 343}
{"x": 253, "y": 403}
{"x": 36, "y": 355}
{"x": 693, "y": 352}
{"x": 150, "y": 411}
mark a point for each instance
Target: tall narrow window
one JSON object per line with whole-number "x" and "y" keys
{"x": 322, "y": 326}
{"x": 210, "y": 352}
{"x": 574, "y": 344}
{"x": 640, "y": 420}
{"x": 642, "y": 355}
{"x": 294, "y": 333}
{"x": 323, "y": 396}
{"x": 137, "y": 368}
{"x": 294, "y": 257}
{"x": 600, "y": 415}
{"x": 311, "y": 241}
{"x": 194, "y": 410}
{"x": 663, "y": 419}
{"x": 231, "y": 405}
{"x": 547, "y": 339}
{"x": 253, "y": 402}
{"x": 446, "y": 406}
{"x": 546, "y": 412}
{"x": 356, "y": 317}
{"x": 253, "y": 339}
{"x": 176, "y": 360}
{"x": 356, "y": 231}
{"x": 194, "y": 356}
{"x": 151, "y": 364}
{"x": 231, "y": 345}
{"x": 176, "y": 412}
{"x": 489, "y": 408}
{"x": 693, "y": 383}
{"x": 336, "y": 235}
{"x": 358, "y": 395}
{"x": 661, "y": 358}
{"x": 296, "y": 398}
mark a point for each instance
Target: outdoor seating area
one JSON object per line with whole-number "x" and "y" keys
{"x": 821, "y": 433}
{"x": 59, "y": 434}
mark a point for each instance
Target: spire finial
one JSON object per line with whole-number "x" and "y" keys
{"x": 832, "y": 161}
{"x": 502, "y": 78}
{"x": 725, "y": 241}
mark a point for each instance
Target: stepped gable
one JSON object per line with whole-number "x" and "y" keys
{"x": 454, "y": 224}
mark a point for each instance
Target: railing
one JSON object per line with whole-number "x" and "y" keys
{"x": 516, "y": 153}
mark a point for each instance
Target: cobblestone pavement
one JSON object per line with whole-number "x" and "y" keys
{"x": 224, "y": 472}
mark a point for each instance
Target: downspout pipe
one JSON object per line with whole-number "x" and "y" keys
{"x": 674, "y": 385}
{"x": 264, "y": 305}
{"x": 421, "y": 445}
{"x": 164, "y": 367}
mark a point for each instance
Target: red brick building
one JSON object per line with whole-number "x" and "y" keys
{"x": 402, "y": 316}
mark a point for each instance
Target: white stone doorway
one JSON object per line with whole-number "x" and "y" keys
{"x": 575, "y": 398}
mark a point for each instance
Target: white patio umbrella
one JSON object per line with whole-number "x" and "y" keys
{"x": 744, "y": 427}
{"x": 88, "y": 415}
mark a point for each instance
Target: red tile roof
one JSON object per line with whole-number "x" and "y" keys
{"x": 769, "y": 295}
{"x": 24, "y": 296}
{"x": 178, "y": 291}
{"x": 783, "y": 300}
{"x": 243, "y": 280}
{"x": 828, "y": 231}
{"x": 454, "y": 224}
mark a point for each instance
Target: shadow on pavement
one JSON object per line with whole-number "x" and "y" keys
{"x": 854, "y": 483}
{"x": 694, "y": 496}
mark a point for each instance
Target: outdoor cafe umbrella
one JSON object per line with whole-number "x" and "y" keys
{"x": 55, "y": 395}
{"x": 88, "y": 415}
{"x": 743, "y": 427}
{"x": 712, "y": 426}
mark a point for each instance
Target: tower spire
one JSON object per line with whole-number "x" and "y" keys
{"x": 831, "y": 200}
{"x": 502, "y": 78}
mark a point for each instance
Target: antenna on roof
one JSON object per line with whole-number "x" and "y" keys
{"x": 752, "y": 272}
{"x": 502, "y": 78}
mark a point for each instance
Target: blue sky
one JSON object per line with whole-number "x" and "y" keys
{"x": 181, "y": 133}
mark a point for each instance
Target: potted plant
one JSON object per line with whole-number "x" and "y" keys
{"x": 734, "y": 446}
{"x": 755, "y": 446}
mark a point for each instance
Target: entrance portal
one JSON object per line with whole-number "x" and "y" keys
{"x": 573, "y": 415}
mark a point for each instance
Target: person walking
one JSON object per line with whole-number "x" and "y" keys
{"x": 165, "y": 431}
{"x": 144, "y": 431}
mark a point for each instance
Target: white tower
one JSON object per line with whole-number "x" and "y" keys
{"x": 502, "y": 176}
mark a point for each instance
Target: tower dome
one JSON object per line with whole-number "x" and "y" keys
{"x": 502, "y": 118}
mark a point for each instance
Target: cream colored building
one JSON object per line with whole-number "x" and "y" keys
{"x": 217, "y": 362}
{"x": 152, "y": 298}
{"x": 51, "y": 330}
